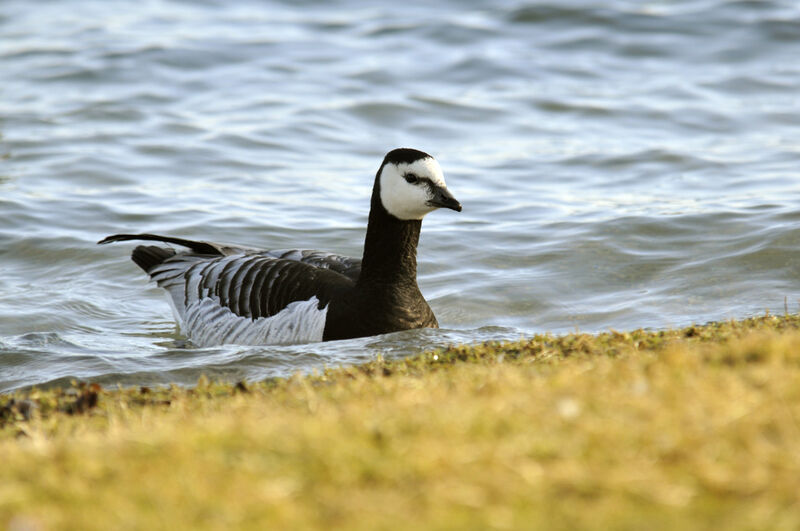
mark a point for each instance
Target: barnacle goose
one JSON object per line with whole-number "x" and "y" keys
{"x": 229, "y": 294}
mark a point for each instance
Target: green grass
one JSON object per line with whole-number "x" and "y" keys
{"x": 687, "y": 429}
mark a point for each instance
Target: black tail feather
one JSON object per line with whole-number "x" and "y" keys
{"x": 195, "y": 246}
{"x": 149, "y": 256}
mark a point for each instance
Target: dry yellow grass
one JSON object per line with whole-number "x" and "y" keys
{"x": 696, "y": 428}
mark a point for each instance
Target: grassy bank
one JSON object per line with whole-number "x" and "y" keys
{"x": 693, "y": 428}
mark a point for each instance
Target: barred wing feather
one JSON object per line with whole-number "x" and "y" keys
{"x": 349, "y": 267}
{"x": 254, "y": 298}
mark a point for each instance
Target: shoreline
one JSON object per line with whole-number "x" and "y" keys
{"x": 680, "y": 428}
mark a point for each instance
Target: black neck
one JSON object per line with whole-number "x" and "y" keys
{"x": 390, "y": 248}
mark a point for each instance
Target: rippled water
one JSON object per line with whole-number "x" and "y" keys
{"x": 621, "y": 164}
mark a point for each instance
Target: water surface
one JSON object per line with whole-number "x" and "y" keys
{"x": 621, "y": 164}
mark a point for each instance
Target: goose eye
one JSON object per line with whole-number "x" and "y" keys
{"x": 411, "y": 178}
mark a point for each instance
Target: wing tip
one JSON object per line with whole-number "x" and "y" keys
{"x": 114, "y": 238}
{"x": 195, "y": 246}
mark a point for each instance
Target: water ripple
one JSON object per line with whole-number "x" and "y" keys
{"x": 621, "y": 164}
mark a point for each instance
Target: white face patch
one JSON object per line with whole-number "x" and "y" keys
{"x": 406, "y": 200}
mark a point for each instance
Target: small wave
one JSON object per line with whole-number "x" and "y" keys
{"x": 621, "y": 164}
{"x": 382, "y": 112}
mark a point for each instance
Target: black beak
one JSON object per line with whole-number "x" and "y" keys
{"x": 444, "y": 199}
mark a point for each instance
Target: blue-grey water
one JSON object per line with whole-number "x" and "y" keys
{"x": 621, "y": 163}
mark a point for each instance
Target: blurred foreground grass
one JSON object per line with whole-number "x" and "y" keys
{"x": 686, "y": 429}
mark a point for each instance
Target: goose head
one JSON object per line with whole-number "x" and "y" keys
{"x": 412, "y": 185}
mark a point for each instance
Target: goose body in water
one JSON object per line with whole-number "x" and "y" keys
{"x": 227, "y": 294}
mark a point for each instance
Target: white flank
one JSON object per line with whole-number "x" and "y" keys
{"x": 208, "y": 324}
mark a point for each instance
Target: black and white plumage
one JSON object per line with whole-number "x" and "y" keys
{"x": 229, "y": 294}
